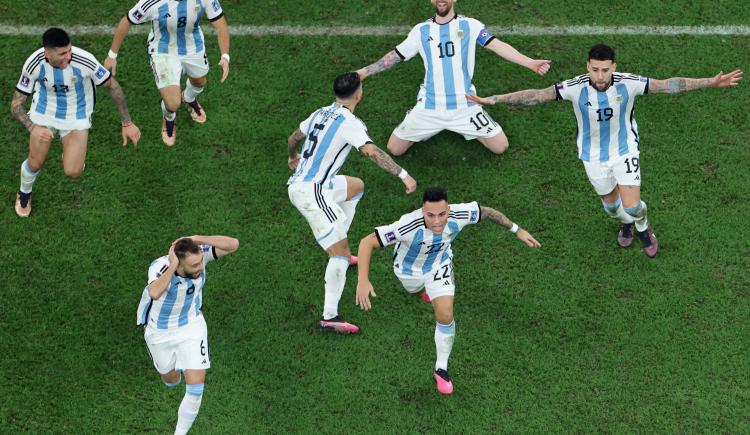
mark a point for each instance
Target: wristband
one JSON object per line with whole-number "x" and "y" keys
{"x": 112, "y": 54}
{"x": 225, "y": 56}
{"x": 127, "y": 124}
{"x": 403, "y": 174}
{"x": 514, "y": 228}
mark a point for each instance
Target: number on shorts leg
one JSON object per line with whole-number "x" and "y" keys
{"x": 635, "y": 165}
{"x": 481, "y": 121}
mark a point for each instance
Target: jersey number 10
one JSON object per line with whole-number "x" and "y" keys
{"x": 447, "y": 49}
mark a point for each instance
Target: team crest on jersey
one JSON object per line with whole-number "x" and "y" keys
{"x": 618, "y": 98}
{"x": 74, "y": 80}
{"x": 390, "y": 236}
{"x": 138, "y": 15}
{"x": 644, "y": 79}
{"x": 25, "y": 81}
{"x": 460, "y": 33}
{"x": 215, "y": 5}
{"x": 100, "y": 72}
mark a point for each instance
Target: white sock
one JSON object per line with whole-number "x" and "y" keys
{"x": 191, "y": 91}
{"x": 615, "y": 210}
{"x": 28, "y": 177}
{"x": 189, "y": 407}
{"x": 169, "y": 116}
{"x": 638, "y": 213}
{"x": 444, "y": 335}
{"x": 335, "y": 280}
{"x": 623, "y": 215}
{"x": 350, "y": 207}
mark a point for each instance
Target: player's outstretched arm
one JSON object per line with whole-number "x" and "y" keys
{"x": 386, "y": 62}
{"x": 224, "y": 245}
{"x": 158, "y": 286}
{"x": 123, "y": 27}
{"x": 222, "y": 32}
{"x": 388, "y": 165}
{"x": 292, "y": 142}
{"x": 364, "y": 286}
{"x": 129, "y": 129}
{"x": 495, "y": 216}
{"x": 539, "y": 66}
{"x": 680, "y": 84}
{"x": 528, "y": 97}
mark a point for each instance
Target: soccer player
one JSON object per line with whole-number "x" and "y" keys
{"x": 608, "y": 140}
{"x": 174, "y": 327}
{"x": 327, "y": 200}
{"x": 447, "y": 43}
{"x": 176, "y": 44}
{"x": 63, "y": 79}
{"x": 423, "y": 261}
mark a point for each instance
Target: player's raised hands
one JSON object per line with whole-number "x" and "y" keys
{"x": 540, "y": 66}
{"x": 111, "y": 65}
{"x": 527, "y": 238}
{"x": 132, "y": 132}
{"x": 364, "y": 291}
{"x": 224, "y": 64}
{"x": 722, "y": 80}
{"x": 173, "y": 260}
{"x": 410, "y": 183}
{"x": 485, "y": 101}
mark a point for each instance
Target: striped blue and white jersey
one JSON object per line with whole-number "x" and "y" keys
{"x": 606, "y": 127}
{"x": 447, "y": 51}
{"x": 330, "y": 134}
{"x": 182, "y": 300}
{"x": 63, "y": 95}
{"x": 175, "y": 24}
{"x": 418, "y": 250}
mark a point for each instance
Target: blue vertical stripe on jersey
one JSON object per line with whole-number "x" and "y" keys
{"x": 448, "y": 82}
{"x": 454, "y": 233}
{"x": 61, "y": 97}
{"x": 319, "y": 154}
{"x": 303, "y": 162}
{"x": 197, "y": 29}
{"x": 413, "y": 252}
{"x": 185, "y": 310}
{"x": 622, "y": 133}
{"x": 41, "y": 103}
{"x": 168, "y": 304}
{"x": 586, "y": 127}
{"x": 163, "y": 29}
{"x": 465, "y": 47}
{"x": 604, "y": 126}
{"x": 430, "y": 260}
{"x": 429, "y": 79}
{"x": 181, "y": 15}
{"x": 80, "y": 95}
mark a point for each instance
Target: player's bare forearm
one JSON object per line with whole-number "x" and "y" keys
{"x": 386, "y": 62}
{"x": 293, "y": 141}
{"x": 364, "y": 256}
{"x": 18, "y": 110}
{"x": 122, "y": 30}
{"x": 224, "y": 245}
{"x": 676, "y": 85}
{"x": 495, "y": 216}
{"x": 160, "y": 284}
{"x": 528, "y": 97}
{"x": 118, "y": 97}
{"x": 222, "y": 33}
{"x": 381, "y": 159}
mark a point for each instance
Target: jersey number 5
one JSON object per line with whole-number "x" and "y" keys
{"x": 313, "y": 138}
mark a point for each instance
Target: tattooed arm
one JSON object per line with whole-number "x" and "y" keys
{"x": 675, "y": 85}
{"x": 294, "y": 140}
{"x": 18, "y": 110}
{"x": 495, "y": 216}
{"x": 388, "y": 165}
{"x": 388, "y": 61}
{"x": 129, "y": 129}
{"x": 528, "y": 97}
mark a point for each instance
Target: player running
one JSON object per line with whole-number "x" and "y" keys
{"x": 328, "y": 201}
{"x": 447, "y": 44}
{"x": 176, "y": 45}
{"x": 62, "y": 78}
{"x": 170, "y": 311}
{"x": 608, "y": 140}
{"x": 423, "y": 261}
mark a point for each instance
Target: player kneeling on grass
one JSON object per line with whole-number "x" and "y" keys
{"x": 62, "y": 78}
{"x": 170, "y": 310}
{"x": 423, "y": 261}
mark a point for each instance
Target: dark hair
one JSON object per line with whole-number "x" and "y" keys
{"x": 435, "y": 194}
{"x": 601, "y": 52}
{"x": 345, "y": 85}
{"x": 55, "y": 38}
{"x": 186, "y": 246}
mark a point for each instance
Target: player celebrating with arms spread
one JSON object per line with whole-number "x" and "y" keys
{"x": 326, "y": 200}
{"x": 170, "y": 310}
{"x": 62, "y": 78}
{"x": 608, "y": 141}
{"x": 423, "y": 261}
{"x": 176, "y": 44}
{"x": 447, "y": 43}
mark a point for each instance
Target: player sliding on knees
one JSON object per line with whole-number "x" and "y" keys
{"x": 176, "y": 45}
{"x": 423, "y": 261}
{"x": 608, "y": 140}
{"x": 327, "y": 200}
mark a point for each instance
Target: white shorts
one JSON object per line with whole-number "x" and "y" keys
{"x": 59, "y": 127}
{"x": 472, "y": 122}
{"x": 320, "y": 206}
{"x": 168, "y": 68}
{"x": 623, "y": 171}
{"x": 437, "y": 283}
{"x": 183, "y": 349}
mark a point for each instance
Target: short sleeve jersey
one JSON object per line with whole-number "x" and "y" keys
{"x": 447, "y": 51}
{"x": 330, "y": 133}
{"x": 606, "y": 127}
{"x": 182, "y": 300}
{"x": 418, "y": 250}
{"x": 175, "y": 25}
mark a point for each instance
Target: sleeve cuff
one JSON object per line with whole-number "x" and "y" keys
{"x": 399, "y": 54}
{"x": 558, "y": 96}
{"x": 130, "y": 20}
{"x": 377, "y": 236}
{"x": 22, "y": 91}
{"x": 105, "y": 80}
{"x": 213, "y": 252}
{"x": 479, "y": 219}
{"x": 216, "y": 17}
{"x": 492, "y": 38}
{"x": 648, "y": 82}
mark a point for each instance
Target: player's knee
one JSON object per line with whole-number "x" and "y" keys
{"x": 199, "y": 82}
{"x": 73, "y": 171}
{"x": 35, "y": 164}
{"x": 499, "y": 146}
{"x": 444, "y": 317}
{"x": 172, "y": 104}
{"x": 172, "y": 381}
